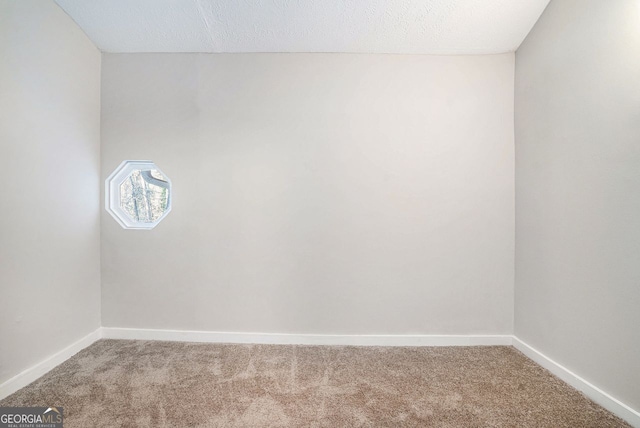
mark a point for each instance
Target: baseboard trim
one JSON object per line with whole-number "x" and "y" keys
{"x": 610, "y": 403}
{"x": 593, "y": 392}
{"x": 305, "y": 339}
{"x": 27, "y": 376}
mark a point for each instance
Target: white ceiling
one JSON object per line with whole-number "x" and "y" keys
{"x": 366, "y": 26}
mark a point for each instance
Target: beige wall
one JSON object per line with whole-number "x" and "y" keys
{"x": 49, "y": 164}
{"x": 314, "y": 193}
{"x": 578, "y": 191}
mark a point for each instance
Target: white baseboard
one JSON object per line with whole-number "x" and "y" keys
{"x": 32, "y": 373}
{"x": 306, "y": 339}
{"x": 593, "y": 392}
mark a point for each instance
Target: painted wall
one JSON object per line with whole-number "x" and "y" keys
{"x": 49, "y": 164}
{"x": 577, "y": 296}
{"x": 314, "y": 193}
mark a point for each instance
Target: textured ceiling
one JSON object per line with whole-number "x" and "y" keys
{"x": 368, "y": 26}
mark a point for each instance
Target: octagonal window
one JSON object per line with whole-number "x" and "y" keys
{"x": 138, "y": 195}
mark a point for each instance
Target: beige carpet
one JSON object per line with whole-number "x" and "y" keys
{"x": 116, "y": 383}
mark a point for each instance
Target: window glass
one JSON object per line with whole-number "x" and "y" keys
{"x": 138, "y": 195}
{"x": 144, "y": 195}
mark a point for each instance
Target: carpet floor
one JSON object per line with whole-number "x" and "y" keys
{"x": 118, "y": 383}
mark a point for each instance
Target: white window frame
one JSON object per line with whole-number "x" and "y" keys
{"x": 112, "y": 194}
